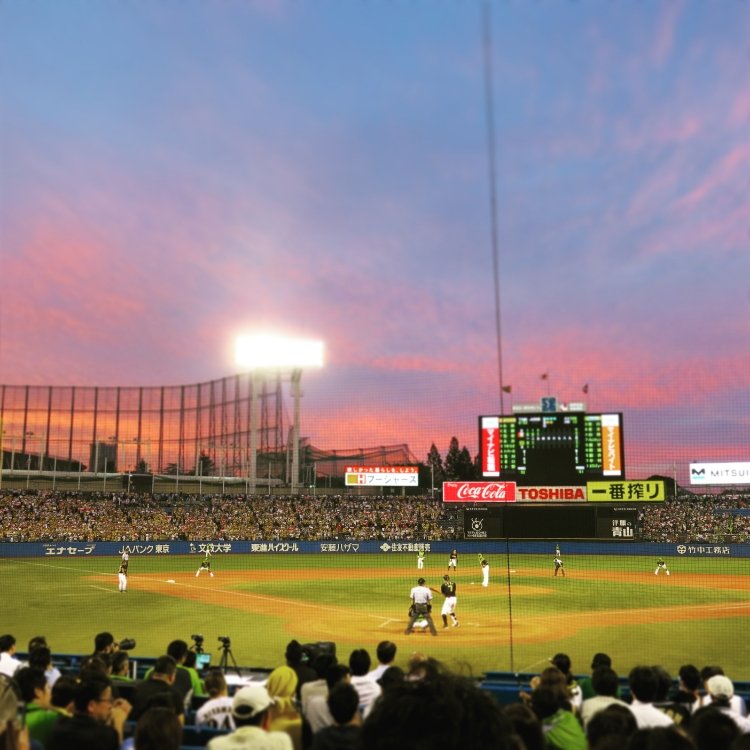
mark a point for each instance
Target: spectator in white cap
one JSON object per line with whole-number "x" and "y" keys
{"x": 721, "y": 690}
{"x": 250, "y": 710}
{"x": 736, "y": 702}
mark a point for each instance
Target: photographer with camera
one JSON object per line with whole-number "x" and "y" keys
{"x": 105, "y": 645}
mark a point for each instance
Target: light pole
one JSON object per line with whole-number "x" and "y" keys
{"x": 262, "y": 354}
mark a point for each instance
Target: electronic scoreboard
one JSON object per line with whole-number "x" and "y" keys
{"x": 562, "y": 448}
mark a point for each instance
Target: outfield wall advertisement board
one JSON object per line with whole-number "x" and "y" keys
{"x": 475, "y": 492}
{"x": 737, "y": 472}
{"x": 381, "y": 476}
{"x": 501, "y": 547}
{"x": 509, "y": 492}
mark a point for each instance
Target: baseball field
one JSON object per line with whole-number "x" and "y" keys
{"x": 700, "y": 613}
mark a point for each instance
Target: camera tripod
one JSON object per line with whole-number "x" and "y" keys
{"x": 227, "y": 657}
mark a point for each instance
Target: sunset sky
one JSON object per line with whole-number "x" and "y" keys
{"x": 175, "y": 173}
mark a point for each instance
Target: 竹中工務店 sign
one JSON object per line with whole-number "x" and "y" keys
{"x": 381, "y": 476}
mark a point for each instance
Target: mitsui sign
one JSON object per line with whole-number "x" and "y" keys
{"x": 737, "y": 472}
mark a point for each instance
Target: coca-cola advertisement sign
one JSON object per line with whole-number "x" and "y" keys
{"x": 479, "y": 492}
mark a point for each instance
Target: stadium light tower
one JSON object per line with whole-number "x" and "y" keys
{"x": 261, "y": 354}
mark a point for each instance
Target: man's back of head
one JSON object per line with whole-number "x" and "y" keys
{"x": 711, "y": 728}
{"x": 468, "y": 717}
{"x": 165, "y": 666}
{"x": 343, "y": 703}
{"x": 643, "y": 683}
{"x": 177, "y": 650}
{"x": 215, "y": 683}
{"x": 335, "y": 674}
{"x": 615, "y": 720}
{"x": 103, "y": 642}
{"x": 359, "y": 662}
{"x": 604, "y": 681}
{"x": 40, "y": 657}
{"x": 600, "y": 660}
{"x": 690, "y": 677}
{"x": 386, "y": 652}
{"x": 294, "y": 653}
{"x": 7, "y": 642}
{"x": 322, "y": 662}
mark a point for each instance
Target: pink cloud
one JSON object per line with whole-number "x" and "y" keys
{"x": 725, "y": 171}
{"x": 666, "y": 31}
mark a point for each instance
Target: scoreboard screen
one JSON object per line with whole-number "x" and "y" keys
{"x": 561, "y": 448}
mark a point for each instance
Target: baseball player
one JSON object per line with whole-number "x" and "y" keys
{"x": 420, "y": 559}
{"x": 485, "y": 572}
{"x": 421, "y": 606}
{"x": 453, "y": 560}
{"x": 205, "y": 565}
{"x": 557, "y": 550}
{"x": 122, "y": 574}
{"x": 559, "y": 565}
{"x": 448, "y": 590}
{"x": 661, "y": 565}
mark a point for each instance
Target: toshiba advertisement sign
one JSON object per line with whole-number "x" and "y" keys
{"x": 479, "y": 492}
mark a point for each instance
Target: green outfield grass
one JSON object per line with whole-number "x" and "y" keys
{"x": 605, "y": 603}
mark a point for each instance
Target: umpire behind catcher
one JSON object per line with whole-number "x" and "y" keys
{"x": 421, "y": 605}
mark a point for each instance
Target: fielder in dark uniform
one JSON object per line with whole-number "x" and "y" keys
{"x": 205, "y": 565}
{"x": 448, "y": 590}
{"x": 122, "y": 576}
{"x": 453, "y": 560}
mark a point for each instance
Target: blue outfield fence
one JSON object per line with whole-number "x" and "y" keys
{"x": 338, "y": 547}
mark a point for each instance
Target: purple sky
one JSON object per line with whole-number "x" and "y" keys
{"x": 172, "y": 173}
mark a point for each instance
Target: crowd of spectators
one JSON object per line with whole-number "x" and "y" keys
{"x": 42, "y": 516}
{"x": 698, "y": 518}
{"x": 323, "y": 703}
{"x": 46, "y": 516}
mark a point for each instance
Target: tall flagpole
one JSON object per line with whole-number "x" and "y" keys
{"x": 491, "y": 159}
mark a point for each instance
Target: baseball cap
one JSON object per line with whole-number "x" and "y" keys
{"x": 446, "y": 577}
{"x": 421, "y": 581}
{"x": 251, "y": 700}
{"x": 720, "y": 686}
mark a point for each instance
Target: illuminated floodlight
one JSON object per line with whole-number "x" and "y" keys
{"x": 258, "y": 352}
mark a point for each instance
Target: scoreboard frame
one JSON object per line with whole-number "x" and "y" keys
{"x": 578, "y": 447}
{"x": 614, "y": 522}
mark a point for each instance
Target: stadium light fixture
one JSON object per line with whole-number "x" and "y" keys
{"x": 258, "y": 353}
{"x": 264, "y": 352}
